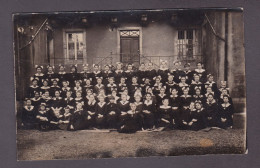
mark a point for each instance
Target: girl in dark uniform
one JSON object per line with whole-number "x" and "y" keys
{"x": 47, "y": 99}
{"x": 221, "y": 97}
{"x": 165, "y": 115}
{"x": 65, "y": 88}
{"x": 141, "y": 73}
{"x": 201, "y": 72}
{"x": 198, "y": 96}
{"x": 69, "y": 101}
{"x": 43, "y": 118}
{"x": 112, "y": 113}
{"x": 210, "y": 83}
{"x": 50, "y": 73}
{"x": 197, "y": 121}
{"x": 177, "y": 72}
{"x": 106, "y": 74}
{"x": 148, "y": 112}
{"x": 132, "y": 122}
{"x": 64, "y": 121}
{"x": 158, "y": 85}
{"x": 77, "y": 120}
{"x": 85, "y": 74}
{"x": 111, "y": 85}
{"x": 170, "y": 84}
{"x": 99, "y": 85}
{"x": 123, "y": 107}
{"x": 36, "y": 100}
{"x": 118, "y": 72}
{"x": 33, "y": 88}
{"x": 28, "y": 115}
{"x": 122, "y": 85}
{"x": 54, "y": 87}
{"x": 73, "y": 75}
{"x": 187, "y": 72}
{"x": 101, "y": 112}
{"x": 77, "y": 88}
{"x": 226, "y": 112}
{"x": 39, "y": 74}
{"x": 161, "y": 96}
{"x": 96, "y": 73}
{"x": 211, "y": 109}
{"x": 45, "y": 86}
{"x": 61, "y": 74}
{"x": 87, "y": 86}
{"x": 174, "y": 100}
{"x": 187, "y": 117}
{"x": 150, "y": 72}
{"x": 196, "y": 84}
{"x": 163, "y": 71}
{"x": 182, "y": 85}
{"x": 129, "y": 73}
{"x": 91, "y": 111}
{"x": 145, "y": 85}
{"x": 132, "y": 88}
{"x": 185, "y": 99}
{"x": 78, "y": 98}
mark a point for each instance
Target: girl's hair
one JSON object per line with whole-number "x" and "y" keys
{"x": 225, "y": 96}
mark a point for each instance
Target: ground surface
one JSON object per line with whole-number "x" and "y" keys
{"x": 36, "y": 145}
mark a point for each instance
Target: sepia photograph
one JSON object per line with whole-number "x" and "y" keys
{"x": 130, "y": 83}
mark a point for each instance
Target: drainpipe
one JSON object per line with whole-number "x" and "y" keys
{"x": 226, "y": 48}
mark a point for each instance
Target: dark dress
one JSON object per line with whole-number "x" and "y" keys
{"x": 71, "y": 77}
{"x": 176, "y": 110}
{"x": 78, "y": 120}
{"x": 164, "y": 74}
{"x": 202, "y": 73}
{"x": 40, "y": 76}
{"x": 196, "y": 85}
{"x": 211, "y": 118}
{"x": 170, "y": 86}
{"x": 177, "y": 73}
{"x": 31, "y": 91}
{"x": 110, "y": 87}
{"x": 69, "y": 102}
{"x": 226, "y": 112}
{"x": 132, "y": 123}
{"x": 129, "y": 74}
{"x": 36, "y": 102}
{"x": 148, "y": 119}
{"x": 166, "y": 114}
{"x": 185, "y": 100}
{"x": 198, "y": 122}
{"x": 62, "y": 77}
{"x": 29, "y": 117}
{"x": 112, "y": 120}
{"x": 43, "y": 124}
{"x": 150, "y": 74}
{"x": 91, "y": 107}
{"x": 53, "y": 89}
{"x": 96, "y": 74}
{"x": 118, "y": 74}
{"x": 123, "y": 107}
{"x": 57, "y": 102}
{"x": 97, "y": 88}
{"x": 102, "y": 110}
{"x": 64, "y": 91}
{"x": 106, "y": 75}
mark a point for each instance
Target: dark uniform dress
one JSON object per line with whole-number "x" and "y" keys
{"x": 129, "y": 74}
{"x": 213, "y": 85}
{"x": 165, "y": 113}
{"x": 141, "y": 74}
{"x": 50, "y": 75}
{"x": 96, "y": 74}
{"x": 101, "y": 108}
{"x": 110, "y": 87}
{"x": 176, "y": 110}
{"x": 185, "y": 100}
{"x": 150, "y": 74}
{"x": 201, "y": 98}
{"x": 132, "y": 122}
{"x": 44, "y": 125}
{"x": 106, "y": 75}
{"x": 40, "y": 76}
{"x": 123, "y": 107}
{"x": 164, "y": 74}
{"x": 226, "y": 112}
{"x": 117, "y": 75}
{"x": 132, "y": 88}
{"x": 86, "y": 75}
{"x": 181, "y": 86}
{"x": 57, "y": 102}
{"x": 98, "y": 87}
{"x": 122, "y": 87}
{"x": 62, "y": 77}
{"x": 91, "y": 118}
{"x": 112, "y": 119}
{"x": 72, "y": 77}
{"x": 43, "y": 89}
{"x": 211, "y": 118}
{"x": 53, "y": 89}
{"x": 29, "y": 116}
{"x": 36, "y": 102}
{"x": 31, "y": 91}
{"x": 157, "y": 87}
{"x": 202, "y": 73}
{"x": 64, "y": 91}
{"x": 78, "y": 120}
{"x": 189, "y": 76}
{"x": 170, "y": 86}
{"x": 69, "y": 102}
{"x": 186, "y": 118}
{"x": 197, "y": 119}
{"x": 160, "y": 98}
{"x": 47, "y": 101}
{"x": 148, "y": 118}
{"x": 177, "y": 73}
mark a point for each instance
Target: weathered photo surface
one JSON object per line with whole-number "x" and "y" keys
{"x": 108, "y": 84}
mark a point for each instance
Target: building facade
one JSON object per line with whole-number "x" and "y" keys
{"x": 215, "y": 38}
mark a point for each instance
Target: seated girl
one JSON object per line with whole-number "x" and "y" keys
{"x": 175, "y": 103}
{"x": 50, "y": 73}
{"x": 54, "y": 87}
{"x": 106, "y": 74}
{"x": 112, "y": 113}
{"x": 45, "y": 86}
{"x": 122, "y": 85}
{"x": 211, "y": 109}
{"x": 47, "y": 99}
{"x": 61, "y": 74}
{"x": 226, "y": 112}
{"x": 166, "y": 120}
{"x": 28, "y": 115}
{"x": 78, "y": 98}
{"x": 158, "y": 85}
{"x": 123, "y": 107}
{"x": 134, "y": 85}
{"x": 119, "y": 73}
{"x": 90, "y": 107}
{"x": 69, "y": 101}
{"x": 201, "y": 72}
{"x": 96, "y": 73}
{"x": 210, "y": 83}
{"x": 85, "y": 74}
{"x": 114, "y": 94}
{"x": 161, "y": 96}
{"x": 77, "y": 87}
{"x": 197, "y": 120}
{"x": 99, "y": 85}
{"x": 36, "y": 100}
{"x": 65, "y": 88}
{"x": 182, "y": 85}
{"x": 129, "y": 73}
{"x": 170, "y": 84}
{"x": 148, "y": 112}
{"x": 150, "y": 91}
{"x": 163, "y": 71}
{"x": 187, "y": 117}
{"x": 73, "y": 75}
{"x": 78, "y": 119}
{"x": 111, "y": 85}
{"x": 196, "y": 84}
{"x": 150, "y": 71}
{"x": 101, "y": 112}
{"x": 39, "y": 74}
{"x": 185, "y": 99}
{"x": 198, "y": 96}
{"x": 33, "y": 88}
{"x": 43, "y": 118}
{"x": 65, "y": 119}
{"x": 132, "y": 121}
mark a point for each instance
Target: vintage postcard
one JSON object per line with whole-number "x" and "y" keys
{"x": 133, "y": 83}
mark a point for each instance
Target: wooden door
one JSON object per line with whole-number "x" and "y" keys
{"x": 129, "y": 49}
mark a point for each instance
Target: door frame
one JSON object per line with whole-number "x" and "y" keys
{"x": 140, "y": 40}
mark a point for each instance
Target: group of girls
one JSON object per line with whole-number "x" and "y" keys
{"x": 127, "y": 99}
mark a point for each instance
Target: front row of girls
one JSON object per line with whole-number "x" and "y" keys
{"x": 171, "y": 112}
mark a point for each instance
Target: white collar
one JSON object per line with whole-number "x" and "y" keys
{"x": 96, "y": 72}
{"x": 209, "y": 82}
{"x": 181, "y": 84}
{"x": 109, "y": 85}
{"x": 174, "y": 96}
{"x": 101, "y": 104}
{"x": 55, "y": 86}
{"x": 36, "y": 99}
{"x": 163, "y": 107}
{"x": 93, "y": 102}
{"x": 26, "y": 107}
{"x": 59, "y": 98}
{"x": 186, "y": 96}
{"x": 138, "y": 103}
{"x": 162, "y": 95}
{"x": 78, "y": 98}
{"x": 34, "y": 86}
{"x": 62, "y": 73}
{"x": 199, "y": 70}
{"x": 69, "y": 99}
{"x": 123, "y": 103}
{"x": 225, "y": 105}
{"x": 41, "y": 74}
{"x": 65, "y": 88}
{"x": 213, "y": 101}
{"x": 148, "y": 103}
{"x": 129, "y": 71}
{"x": 50, "y": 73}
{"x": 164, "y": 69}
{"x": 45, "y": 87}
{"x": 197, "y": 83}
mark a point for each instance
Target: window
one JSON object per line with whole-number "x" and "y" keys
{"x": 75, "y": 46}
{"x": 188, "y": 46}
